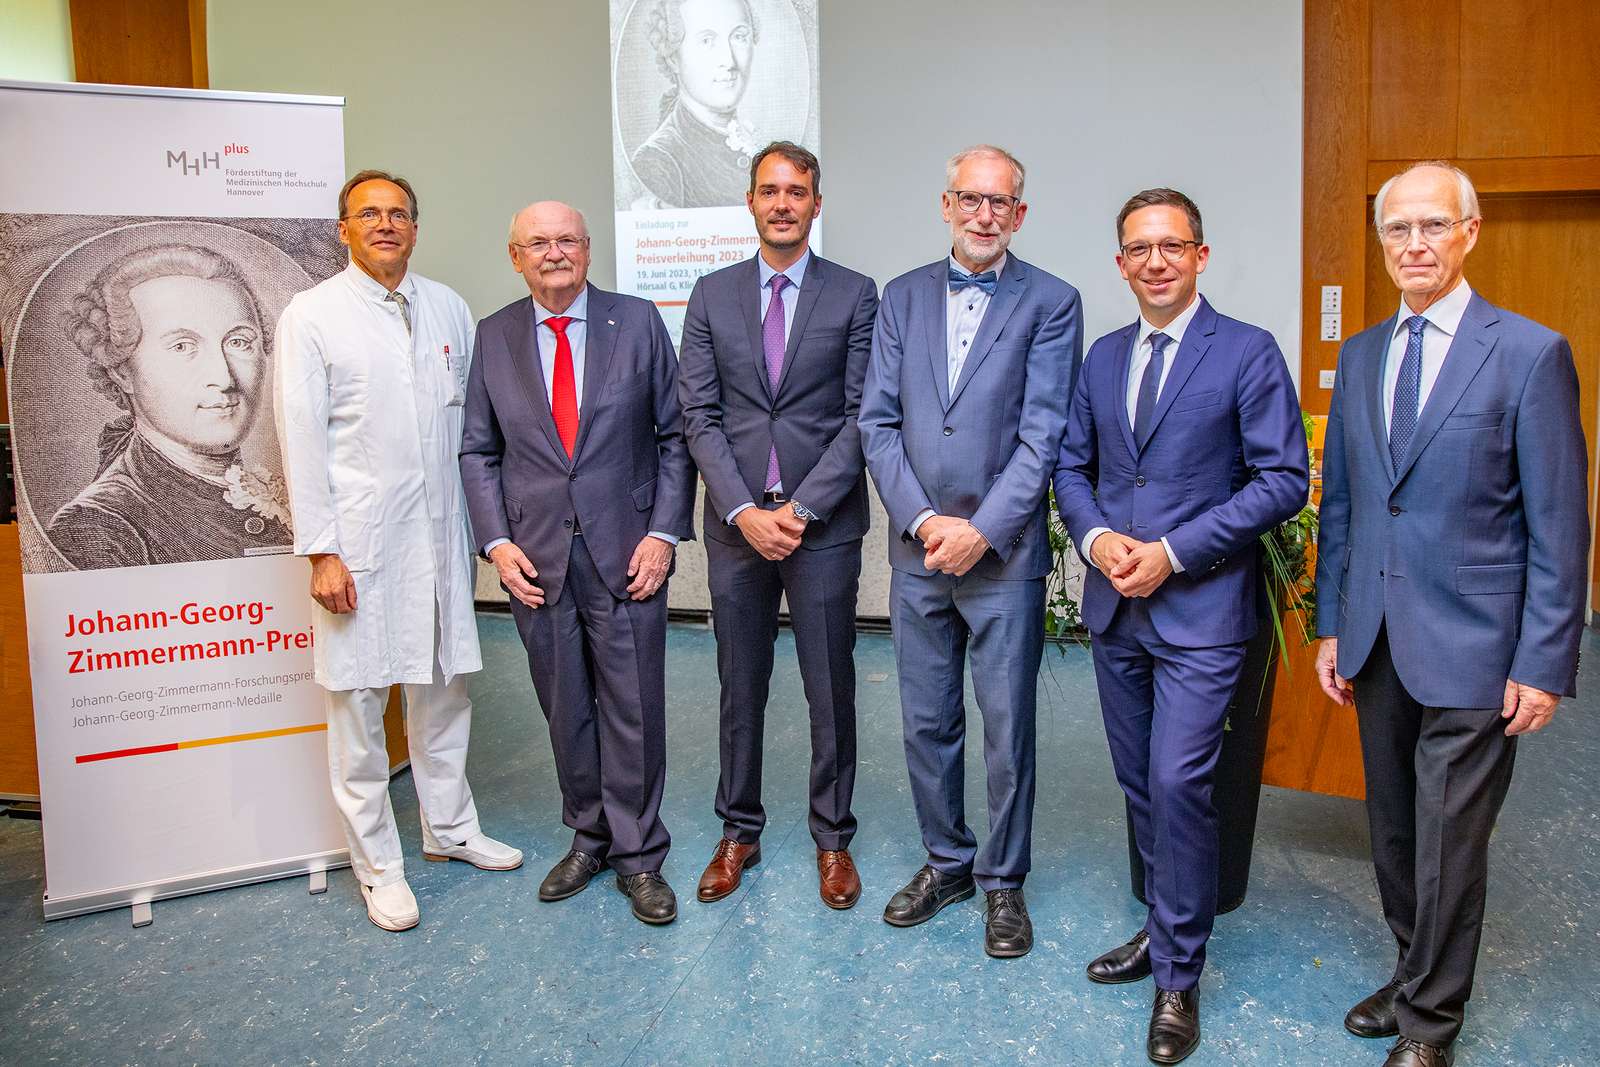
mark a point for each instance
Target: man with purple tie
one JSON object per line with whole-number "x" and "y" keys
{"x": 1183, "y": 446}
{"x": 770, "y": 370}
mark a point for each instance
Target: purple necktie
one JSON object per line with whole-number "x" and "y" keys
{"x": 772, "y": 343}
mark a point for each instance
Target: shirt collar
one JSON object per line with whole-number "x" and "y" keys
{"x": 1445, "y": 313}
{"x": 999, "y": 267}
{"x": 368, "y": 286}
{"x": 1174, "y": 329}
{"x": 579, "y": 309}
{"x": 795, "y": 272}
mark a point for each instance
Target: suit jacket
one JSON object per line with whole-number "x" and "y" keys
{"x": 1225, "y": 460}
{"x": 983, "y": 451}
{"x": 732, "y": 418}
{"x": 1476, "y": 553}
{"x": 630, "y": 471}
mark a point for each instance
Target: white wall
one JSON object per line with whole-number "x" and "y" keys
{"x": 492, "y": 104}
{"x": 35, "y": 41}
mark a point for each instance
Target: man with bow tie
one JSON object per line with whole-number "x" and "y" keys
{"x": 973, "y": 357}
{"x": 579, "y": 485}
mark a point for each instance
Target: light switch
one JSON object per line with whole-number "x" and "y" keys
{"x": 1325, "y": 378}
{"x": 1332, "y": 327}
{"x": 1332, "y": 299}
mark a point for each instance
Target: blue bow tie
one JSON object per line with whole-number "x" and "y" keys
{"x": 985, "y": 281}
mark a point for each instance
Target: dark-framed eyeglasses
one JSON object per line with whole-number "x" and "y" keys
{"x": 565, "y": 245}
{"x": 1398, "y": 233}
{"x": 1172, "y": 249}
{"x": 971, "y": 202}
{"x": 369, "y": 218}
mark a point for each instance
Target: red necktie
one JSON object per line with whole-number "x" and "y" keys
{"x": 563, "y": 389}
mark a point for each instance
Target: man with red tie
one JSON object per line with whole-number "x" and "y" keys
{"x": 579, "y": 485}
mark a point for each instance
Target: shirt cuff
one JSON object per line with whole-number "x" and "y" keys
{"x": 735, "y": 512}
{"x": 496, "y": 543}
{"x": 922, "y": 516}
{"x": 668, "y": 538}
{"x": 1088, "y": 542}
{"x": 1172, "y": 557}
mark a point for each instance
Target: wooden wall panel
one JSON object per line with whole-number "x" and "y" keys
{"x": 1528, "y": 77}
{"x": 151, "y": 42}
{"x": 1416, "y": 78}
{"x": 1312, "y": 743}
{"x": 19, "y": 771}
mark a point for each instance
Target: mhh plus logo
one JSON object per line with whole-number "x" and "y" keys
{"x": 202, "y": 160}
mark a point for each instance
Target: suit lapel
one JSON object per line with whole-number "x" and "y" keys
{"x": 1005, "y": 300}
{"x": 749, "y": 279}
{"x": 1196, "y": 342}
{"x": 599, "y": 344}
{"x": 523, "y": 346}
{"x": 816, "y": 277}
{"x": 1469, "y": 349}
{"x": 1369, "y": 384}
{"x": 937, "y": 292}
{"x": 1119, "y": 385}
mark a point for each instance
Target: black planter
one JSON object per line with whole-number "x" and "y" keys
{"x": 1237, "y": 789}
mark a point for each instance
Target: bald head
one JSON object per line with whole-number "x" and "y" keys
{"x": 549, "y": 246}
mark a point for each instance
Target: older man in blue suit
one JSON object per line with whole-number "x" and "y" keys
{"x": 1184, "y": 445}
{"x": 961, "y": 419}
{"x": 1450, "y": 585}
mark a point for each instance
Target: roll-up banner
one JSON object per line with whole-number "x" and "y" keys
{"x": 697, "y": 87}
{"x": 148, "y": 240}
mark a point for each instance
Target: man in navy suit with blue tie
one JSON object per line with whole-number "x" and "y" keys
{"x": 961, "y": 418}
{"x": 1451, "y": 571}
{"x": 1184, "y": 444}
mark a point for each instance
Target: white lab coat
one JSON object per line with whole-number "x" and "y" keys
{"x": 369, "y": 423}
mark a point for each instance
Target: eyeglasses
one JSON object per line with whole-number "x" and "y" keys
{"x": 971, "y": 203}
{"x": 565, "y": 245}
{"x": 1172, "y": 250}
{"x": 398, "y": 217}
{"x": 1399, "y": 233}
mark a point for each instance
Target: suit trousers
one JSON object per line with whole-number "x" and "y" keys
{"x": 438, "y": 722}
{"x": 745, "y": 591}
{"x": 937, "y": 620}
{"x": 599, "y": 668}
{"x": 1165, "y": 709}
{"x": 1436, "y": 779}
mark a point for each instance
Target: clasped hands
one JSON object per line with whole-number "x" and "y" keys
{"x": 1134, "y": 568}
{"x": 774, "y": 534}
{"x": 950, "y": 545}
{"x": 652, "y": 559}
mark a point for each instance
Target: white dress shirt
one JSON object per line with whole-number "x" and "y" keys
{"x": 796, "y": 273}
{"x": 1444, "y": 319}
{"x": 963, "y": 315}
{"x": 578, "y": 340}
{"x": 1142, "y": 350}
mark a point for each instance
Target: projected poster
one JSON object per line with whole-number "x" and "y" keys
{"x": 699, "y": 86}
{"x": 181, "y": 740}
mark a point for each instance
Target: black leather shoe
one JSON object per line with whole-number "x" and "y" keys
{"x": 653, "y": 899}
{"x": 1174, "y": 1025}
{"x": 1374, "y": 1016}
{"x": 1125, "y": 963}
{"x": 570, "y": 876}
{"x": 925, "y": 896}
{"x": 1008, "y": 932}
{"x": 1408, "y": 1052}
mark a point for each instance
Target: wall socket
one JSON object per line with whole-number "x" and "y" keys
{"x": 1325, "y": 378}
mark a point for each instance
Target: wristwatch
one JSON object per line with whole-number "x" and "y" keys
{"x": 802, "y": 511}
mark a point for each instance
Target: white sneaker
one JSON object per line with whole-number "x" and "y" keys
{"x": 480, "y": 850}
{"x": 392, "y": 907}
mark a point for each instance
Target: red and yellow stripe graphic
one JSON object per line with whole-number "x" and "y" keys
{"x": 202, "y": 742}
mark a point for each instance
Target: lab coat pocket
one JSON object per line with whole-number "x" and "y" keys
{"x": 456, "y": 373}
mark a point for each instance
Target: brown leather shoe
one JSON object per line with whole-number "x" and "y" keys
{"x": 840, "y": 884}
{"x": 728, "y": 863}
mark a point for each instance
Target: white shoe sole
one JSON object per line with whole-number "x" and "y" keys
{"x": 439, "y": 857}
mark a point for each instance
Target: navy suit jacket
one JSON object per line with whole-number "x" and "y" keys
{"x": 732, "y": 418}
{"x": 630, "y": 471}
{"x": 984, "y": 451}
{"x": 1225, "y": 461}
{"x": 1476, "y": 553}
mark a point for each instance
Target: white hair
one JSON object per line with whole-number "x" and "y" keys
{"x": 1466, "y": 194}
{"x": 965, "y": 154}
{"x": 511, "y": 237}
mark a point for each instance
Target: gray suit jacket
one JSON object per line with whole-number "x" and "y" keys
{"x": 630, "y": 471}
{"x": 985, "y": 451}
{"x": 733, "y": 419}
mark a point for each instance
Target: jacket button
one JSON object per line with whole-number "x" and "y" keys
{"x": 1380, "y": 574}
{"x": 567, "y": 523}
{"x": 774, "y": 416}
{"x": 948, "y": 431}
{"x": 1394, "y": 509}
{"x": 572, "y": 477}
{"x": 1139, "y": 481}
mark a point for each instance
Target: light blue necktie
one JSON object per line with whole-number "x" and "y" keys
{"x": 1407, "y": 394}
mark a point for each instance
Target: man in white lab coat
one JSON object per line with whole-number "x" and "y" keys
{"x": 370, "y": 374}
